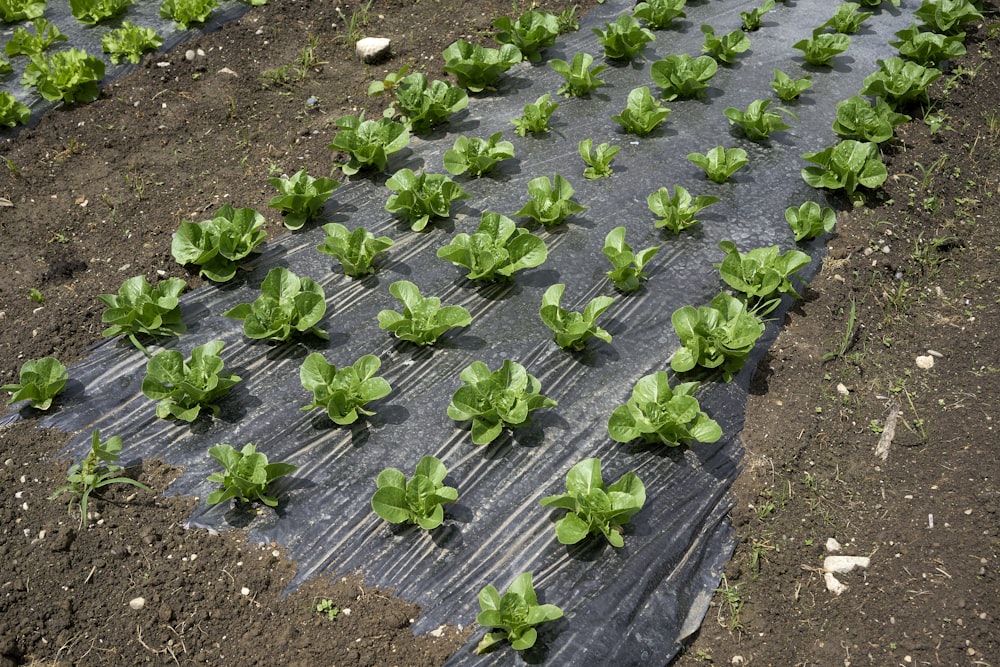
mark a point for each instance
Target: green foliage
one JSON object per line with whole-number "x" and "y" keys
{"x": 515, "y": 614}
{"x": 530, "y": 33}
{"x": 477, "y": 67}
{"x": 787, "y": 88}
{"x": 720, "y": 335}
{"x": 928, "y": 48}
{"x": 660, "y": 14}
{"x": 93, "y": 12}
{"x": 424, "y": 106}
{"x": 624, "y": 39}
{"x": 573, "y": 329}
{"x": 418, "y": 500}
{"x": 246, "y": 475}
{"x": 757, "y": 122}
{"x": 477, "y": 156}
{"x": 187, "y": 12}
{"x": 847, "y": 19}
{"x": 24, "y": 43}
{"x": 5, "y": 67}
{"x": 947, "y": 16}
{"x": 720, "y": 163}
{"x": 41, "y": 380}
{"x": 12, "y": 11}
{"x": 140, "y": 308}
{"x": 423, "y": 319}
{"x": 592, "y": 508}
{"x": 598, "y": 159}
{"x": 580, "y": 77}
{"x": 878, "y": 3}
{"x": 724, "y": 48}
{"x": 388, "y": 85}
{"x": 761, "y": 275}
{"x": 642, "y": 113}
{"x": 661, "y": 415}
{"x": 422, "y": 196}
{"x": 857, "y": 118}
{"x": 70, "y": 76}
{"x": 535, "y": 117}
{"x": 343, "y": 393}
{"x": 368, "y": 142}
{"x": 550, "y": 202}
{"x": 820, "y": 49}
{"x": 217, "y": 245}
{"x": 809, "y": 221}
{"x": 182, "y": 387}
{"x": 677, "y": 212}
{"x": 302, "y": 197}
{"x": 130, "y": 42}
{"x": 627, "y": 266}
{"x": 846, "y": 166}
{"x": 326, "y": 607}
{"x": 12, "y": 112}
{"x": 356, "y": 251}
{"x": 681, "y": 76}
{"x": 287, "y": 305}
{"x": 754, "y": 19}
{"x": 493, "y": 400}
{"x": 900, "y": 81}
{"x": 496, "y": 250}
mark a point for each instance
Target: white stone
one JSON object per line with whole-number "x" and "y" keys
{"x": 244, "y": 591}
{"x": 842, "y": 389}
{"x": 371, "y": 49}
{"x": 832, "y": 545}
{"x": 925, "y": 361}
{"x": 137, "y": 603}
{"x": 844, "y": 564}
{"x": 833, "y": 585}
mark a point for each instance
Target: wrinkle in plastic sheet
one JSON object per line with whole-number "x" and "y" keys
{"x": 632, "y": 605}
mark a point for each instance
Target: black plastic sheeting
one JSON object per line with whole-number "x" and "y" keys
{"x": 630, "y": 606}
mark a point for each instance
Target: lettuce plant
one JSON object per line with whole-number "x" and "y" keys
{"x": 302, "y": 197}
{"x": 580, "y": 77}
{"x": 422, "y": 196}
{"x": 40, "y": 381}
{"x": 388, "y": 85}
{"x": 627, "y": 266}
{"x": 70, "y": 76}
{"x": 754, "y": 19}
{"x": 857, "y": 118}
{"x": 130, "y": 41}
{"x": 847, "y": 19}
{"x": 720, "y": 335}
{"x": 900, "y": 81}
{"x": 624, "y": 39}
{"x": 593, "y": 509}
{"x": 423, "y": 319}
{"x": 573, "y": 329}
{"x": 182, "y": 387}
{"x": 757, "y": 123}
{"x": 187, "y": 12}
{"x": 660, "y": 14}
{"x": 761, "y": 275}
{"x": 12, "y": 112}
{"x": 642, "y": 114}
{"x": 928, "y": 48}
{"x": 217, "y": 245}
{"x": 496, "y": 250}
{"x": 12, "y": 11}
{"x": 424, "y": 106}
{"x": 287, "y": 305}
{"x": 356, "y": 251}
{"x": 497, "y": 399}
{"x": 477, "y": 67}
{"x": 598, "y": 159}
{"x": 720, "y": 163}
{"x": 677, "y": 212}
{"x": 724, "y": 48}
{"x": 947, "y": 16}
{"x": 368, "y": 142}
{"x": 515, "y": 614}
{"x": 535, "y": 116}
{"x": 418, "y": 500}
{"x": 787, "y": 88}
{"x": 682, "y": 77}
{"x": 246, "y": 475}
{"x": 661, "y": 415}
{"x": 808, "y": 220}
{"x": 24, "y": 43}
{"x": 5, "y": 67}
{"x": 530, "y": 33}
{"x": 550, "y": 202}
{"x": 140, "y": 308}
{"x": 477, "y": 156}
{"x": 343, "y": 393}
{"x": 93, "y": 12}
{"x": 820, "y": 49}
{"x": 846, "y": 166}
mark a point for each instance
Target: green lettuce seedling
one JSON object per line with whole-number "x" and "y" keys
{"x": 627, "y": 266}
{"x": 496, "y": 250}
{"x": 592, "y": 508}
{"x": 757, "y": 123}
{"x": 477, "y": 67}
{"x": 423, "y": 319}
{"x": 947, "y": 16}
{"x": 70, "y": 76}
{"x": 682, "y": 77}
{"x": 477, "y": 156}
{"x": 820, "y": 49}
{"x": 356, "y": 251}
{"x": 41, "y": 380}
{"x": 302, "y": 197}
{"x": 93, "y": 12}
{"x": 494, "y": 400}
{"x": 550, "y": 201}
{"x": 846, "y": 166}
{"x": 217, "y": 245}
{"x": 535, "y": 117}
{"x": 787, "y": 88}
{"x": 642, "y": 114}
{"x": 809, "y": 220}
{"x": 388, "y": 85}
{"x": 580, "y": 78}
{"x": 516, "y": 614}
{"x": 660, "y": 14}
{"x": 24, "y": 43}
{"x": 424, "y": 106}
{"x": 847, "y": 19}
{"x": 422, "y": 196}
{"x": 12, "y": 11}
{"x": 761, "y": 276}
{"x": 368, "y": 142}
{"x": 343, "y": 393}
{"x": 928, "y": 48}
{"x": 12, "y": 112}
{"x": 573, "y": 329}
{"x": 418, "y": 500}
{"x": 187, "y": 12}
{"x": 724, "y": 48}
{"x": 598, "y": 159}
{"x": 678, "y": 212}
{"x": 182, "y": 387}
{"x": 530, "y": 33}
{"x": 130, "y": 41}
{"x": 900, "y": 81}
{"x": 720, "y": 163}
{"x": 720, "y": 335}
{"x": 857, "y": 118}
{"x": 246, "y": 475}
{"x": 661, "y": 415}
{"x": 624, "y": 39}
{"x": 287, "y": 305}
{"x": 140, "y": 308}
{"x": 754, "y": 19}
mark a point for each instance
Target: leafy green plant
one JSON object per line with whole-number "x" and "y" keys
{"x": 246, "y": 475}
{"x": 580, "y": 77}
{"x": 787, "y": 88}
{"x": 130, "y": 41}
{"x": 93, "y": 12}
{"x": 592, "y": 508}
{"x": 573, "y": 329}
{"x": 182, "y": 387}
{"x": 216, "y": 245}
{"x": 530, "y": 33}
{"x": 900, "y": 81}
{"x": 720, "y": 335}
{"x": 681, "y": 76}
{"x": 720, "y": 163}
{"x": 808, "y": 220}
{"x": 660, "y": 14}
{"x": 754, "y": 19}
{"x": 356, "y": 251}
{"x": 494, "y": 400}
{"x": 928, "y": 48}
{"x": 477, "y": 67}
{"x": 642, "y": 113}
{"x": 70, "y": 76}
{"x": 846, "y": 166}
{"x": 857, "y": 118}
{"x": 326, "y": 607}
{"x": 368, "y": 142}
{"x": 677, "y": 212}
{"x": 516, "y": 614}
{"x": 724, "y": 48}
{"x": 477, "y": 156}
{"x": 535, "y": 117}
{"x": 387, "y": 86}
{"x": 757, "y": 122}
{"x": 423, "y": 319}
{"x": 761, "y": 275}
{"x": 598, "y": 159}
{"x": 24, "y": 43}
{"x": 627, "y": 266}
{"x": 567, "y": 20}
{"x": 12, "y": 112}
{"x": 624, "y": 39}
{"x": 820, "y": 49}
{"x": 187, "y": 12}
{"x": 947, "y": 16}
{"x": 12, "y": 11}
{"x": 496, "y": 250}
{"x": 40, "y": 381}
{"x": 550, "y": 202}
{"x": 425, "y": 106}
{"x": 422, "y": 196}
{"x": 343, "y": 393}
{"x": 97, "y": 470}
{"x": 661, "y": 415}
{"x": 302, "y": 197}
{"x": 140, "y": 308}
{"x": 418, "y": 500}
{"x": 847, "y": 19}
{"x": 5, "y": 66}
{"x": 287, "y": 305}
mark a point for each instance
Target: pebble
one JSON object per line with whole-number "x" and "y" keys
{"x": 925, "y": 361}
{"x": 137, "y": 603}
{"x": 842, "y": 389}
{"x": 371, "y": 49}
{"x": 832, "y": 545}
{"x": 844, "y": 564}
{"x": 189, "y": 55}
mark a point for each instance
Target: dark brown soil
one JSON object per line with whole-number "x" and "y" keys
{"x": 95, "y": 193}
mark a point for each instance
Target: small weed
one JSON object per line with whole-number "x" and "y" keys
{"x": 731, "y": 601}
{"x": 356, "y": 23}
{"x": 848, "y": 338}
{"x": 36, "y": 296}
{"x": 567, "y": 20}
{"x": 12, "y": 168}
{"x": 325, "y": 606}
{"x": 875, "y": 426}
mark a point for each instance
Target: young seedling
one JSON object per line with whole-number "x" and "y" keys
{"x": 900, "y": 82}
{"x": 182, "y": 387}
{"x": 754, "y": 19}
{"x": 515, "y": 615}
{"x": 217, "y": 245}
{"x": 356, "y": 251}
{"x": 343, "y": 393}
{"x": 129, "y": 42}
{"x": 624, "y": 39}
{"x": 847, "y": 19}
{"x": 677, "y": 212}
{"x": 928, "y": 48}
{"x": 477, "y": 156}
{"x": 302, "y": 197}
{"x": 24, "y": 43}
{"x": 846, "y": 166}
{"x": 627, "y": 266}
{"x": 720, "y": 335}
{"x": 476, "y": 67}
{"x": 187, "y": 12}
{"x": 419, "y": 500}
{"x": 246, "y": 475}
{"x": 387, "y": 86}
{"x": 642, "y": 114}
{"x": 762, "y": 275}
{"x": 535, "y": 117}
{"x": 530, "y": 33}
{"x": 720, "y": 163}
{"x": 724, "y": 48}
{"x": 423, "y": 319}
{"x": 580, "y": 77}
{"x": 809, "y": 221}
{"x": 496, "y": 250}
{"x": 67, "y": 76}
{"x": 40, "y": 381}
{"x": 857, "y": 118}
{"x": 660, "y": 14}
{"x": 368, "y": 142}
{"x": 326, "y": 607}
{"x": 598, "y": 159}
{"x": 140, "y": 308}
{"x": 757, "y": 123}
{"x": 92, "y": 12}
{"x": 660, "y": 415}
{"x": 787, "y": 88}
{"x": 422, "y": 196}
{"x": 550, "y": 202}
{"x": 682, "y": 77}
{"x": 287, "y": 305}
{"x": 425, "y": 106}
{"x": 573, "y": 329}
{"x": 820, "y": 49}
